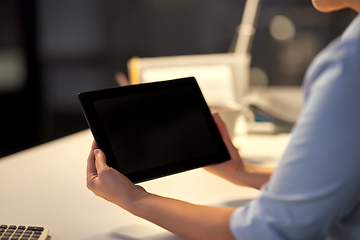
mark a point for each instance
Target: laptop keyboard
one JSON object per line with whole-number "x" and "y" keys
{"x": 14, "y": 232}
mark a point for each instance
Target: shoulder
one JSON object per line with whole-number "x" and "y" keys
{"x": 338, "y": 52}
{"x": 350, "y": 55}
{"x": 338, "y": 63}
{"x": 343, "y": 52}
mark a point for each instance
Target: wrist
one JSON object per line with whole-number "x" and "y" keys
{"x": 253, "y": 176}
{"x": 143, "y": 204}
{"x": 133, "y": 199}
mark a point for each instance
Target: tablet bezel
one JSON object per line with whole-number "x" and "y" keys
{"x": 87, "y": 102}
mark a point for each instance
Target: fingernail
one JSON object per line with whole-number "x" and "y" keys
{"x": 96, "y": 152}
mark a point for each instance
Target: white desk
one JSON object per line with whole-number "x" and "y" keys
{"x": 45, "y": 186}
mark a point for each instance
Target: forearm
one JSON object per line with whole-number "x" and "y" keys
{"x": 185, "y": 219}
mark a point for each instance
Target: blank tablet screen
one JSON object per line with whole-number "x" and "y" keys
{"x": 155, "y": 128}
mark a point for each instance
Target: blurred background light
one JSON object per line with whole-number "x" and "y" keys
{"x": 282, "y": 28}
{"x": 258, "y": 77}
{"x": 12, "y": 69}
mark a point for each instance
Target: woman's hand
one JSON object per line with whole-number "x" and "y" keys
{"x": 229, "y": 170}
{"x": 235, "y": 170}
{"x": 109, "y": 184}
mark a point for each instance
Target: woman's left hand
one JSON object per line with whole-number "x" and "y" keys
{"x": 110, "y": 184}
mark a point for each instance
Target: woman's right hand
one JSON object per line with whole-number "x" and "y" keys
{"x": 235, "y": 170}
{"x": 229, "y": 170}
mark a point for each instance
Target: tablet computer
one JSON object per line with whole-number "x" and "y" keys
{"x": 154, "y": 129}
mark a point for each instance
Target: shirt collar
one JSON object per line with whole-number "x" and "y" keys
{"x": 353, "y": 30}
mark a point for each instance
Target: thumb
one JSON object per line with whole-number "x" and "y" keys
{"x": 100, "y": 160}
{"x": 225, "y": 135}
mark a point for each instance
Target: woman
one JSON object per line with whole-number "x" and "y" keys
{"x": 314, "y": 192}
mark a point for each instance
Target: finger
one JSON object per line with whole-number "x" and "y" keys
{"x": 121, "y": 79}
{"x": 94, "y": 145}
{"x": 221, "y": 126}
{"x": 225, "y": 134}
{"x": 91, "y": 159}
{"x": 100, "y": 160}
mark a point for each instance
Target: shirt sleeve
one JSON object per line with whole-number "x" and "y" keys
{"x": 317, "y": 182}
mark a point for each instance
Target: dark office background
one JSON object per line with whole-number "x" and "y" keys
{"x": 51, "y": 50}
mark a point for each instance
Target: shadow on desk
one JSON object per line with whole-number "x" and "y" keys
{"x": 135, "y": 232}
{"x": 262, "y": 161}
{"x": 235, "y": 203}
{"x": 161, "y": 236}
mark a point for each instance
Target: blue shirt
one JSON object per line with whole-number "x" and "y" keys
{"x": 315, "y": 191}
